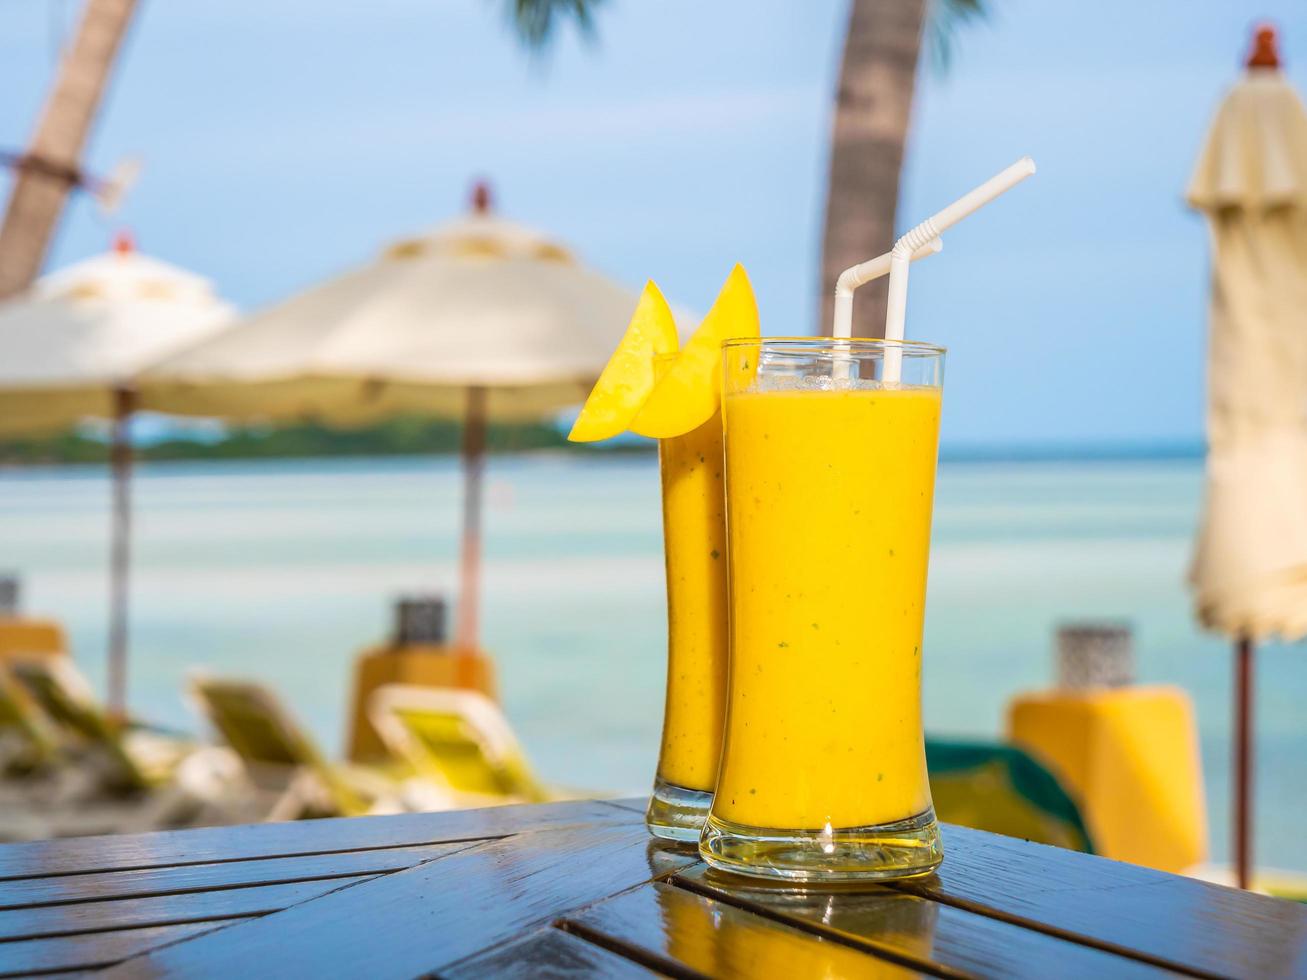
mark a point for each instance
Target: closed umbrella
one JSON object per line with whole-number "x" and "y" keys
{"x": 480, "y": 319}
{"x": 68, "y": 349}
{"x": 1249, "y": 573}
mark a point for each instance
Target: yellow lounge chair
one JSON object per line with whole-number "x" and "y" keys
{"x": 130, "y": 760}
{"x": 98, "y": 775}
{"x": 282, "y": 760}
{"x": 27, "y": 741}
{"x": 457, "y": 738}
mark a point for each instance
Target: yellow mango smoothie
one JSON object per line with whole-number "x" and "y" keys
{"x": 694, "y": 535}
{"x": 655, "y": 388}
{"x": 829, "y": 501}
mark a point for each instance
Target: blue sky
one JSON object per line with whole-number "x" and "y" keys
{"x": 284, "y": 141}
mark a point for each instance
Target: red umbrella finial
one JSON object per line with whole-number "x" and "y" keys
{"x": 481, "y": 198}
{"x": 1266, "y": 48}
{"x": 124, "y": 243}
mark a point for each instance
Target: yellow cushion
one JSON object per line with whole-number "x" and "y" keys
{"x": 1130, "y": 758}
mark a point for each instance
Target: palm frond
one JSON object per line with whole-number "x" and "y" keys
{"x": 536, "y": 21}
{"x": 944, "y": 19}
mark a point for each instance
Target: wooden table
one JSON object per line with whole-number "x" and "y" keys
{"x": 579, "y": 889}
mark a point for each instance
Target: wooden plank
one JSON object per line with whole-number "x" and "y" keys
{"x": 229, "y": 903}
{"x": 917, "y": 931}
{"x": 547, "y": 954}
{"x": 679, "y": 928}
{"x": 34, "y": 956}
{"x": 634, "y": 804}
{"x": 39, "y": 859}
{"x": 64, "y": 889}
{"x": 1176, "y": 922}
{"x": 432, "y": 916}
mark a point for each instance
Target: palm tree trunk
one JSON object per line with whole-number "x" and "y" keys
{"x": 42, "y": 182}
{"x": 873, "y": 109}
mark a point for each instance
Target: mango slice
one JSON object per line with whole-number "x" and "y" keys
{"x": 628, "y": 377}
{"x": 689, "y": 392}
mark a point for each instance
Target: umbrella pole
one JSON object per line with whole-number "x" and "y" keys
{"x": 120, "y": 458}
{"x": 474, "y": 461}
{"x": 1243, "y": 773}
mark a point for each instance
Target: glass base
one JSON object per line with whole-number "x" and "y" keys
{"x": 903, "y": 849}
{"x": 676, "y": 813}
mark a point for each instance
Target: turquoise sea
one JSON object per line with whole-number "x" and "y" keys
{"x": 282, "y": 570}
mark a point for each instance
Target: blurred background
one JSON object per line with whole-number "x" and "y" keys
{"x": 281, "y": 143}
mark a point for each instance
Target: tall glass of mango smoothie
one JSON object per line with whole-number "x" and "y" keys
{"x": 830, "y": 475}
{"x": 654, "y": 387}
{"x": 694, "y": 543}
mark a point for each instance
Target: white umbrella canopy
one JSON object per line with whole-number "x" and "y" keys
{"x": 479, "y": 303}
{"x": 1249, "y": 572}
{"x": 68, "y": 350}
{"x": 1250, "y": 566}
{"x": 479, "y": 319}
{"x": 86, "y": 329}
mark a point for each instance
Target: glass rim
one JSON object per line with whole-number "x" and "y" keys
{"x": 909, "y": 348}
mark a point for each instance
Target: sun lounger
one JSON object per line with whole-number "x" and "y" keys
{"x": 94, "y": 774}
{"x": 282, "y": 760}
{"x": 996, "y": 787}
{"x": 27, "y": 742}
{"x": 131, "y": 757}
{"x": 457, "y": 737}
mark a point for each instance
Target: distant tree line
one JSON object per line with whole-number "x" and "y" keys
{"x": 395, "y": 437}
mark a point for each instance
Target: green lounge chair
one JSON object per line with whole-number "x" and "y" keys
{"x": 1001, "y": 789}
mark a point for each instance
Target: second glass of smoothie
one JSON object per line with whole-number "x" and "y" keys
{"x": 830, "y": 475}
{"x": 694, "y": 542}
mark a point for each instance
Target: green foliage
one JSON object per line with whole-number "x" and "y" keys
{"x": 403, "y": 436}
{"x": 535, "y": 21}
{"x": 64, "y": 447}
{"x": 945, "y": 18}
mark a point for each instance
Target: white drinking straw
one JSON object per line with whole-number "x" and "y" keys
{"x": 934, "y": 226}
{"x": 861, "y": 274}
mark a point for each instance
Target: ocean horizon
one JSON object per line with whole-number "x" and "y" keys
{"x": 983, "y": 452}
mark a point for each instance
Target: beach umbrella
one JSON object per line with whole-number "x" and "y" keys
{"x": 480, "y": 320}
{"x": 1249, "y": 573}
{"x": 68, "y": 349}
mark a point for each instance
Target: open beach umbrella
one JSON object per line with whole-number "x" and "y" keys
{"x": 68, "y": 349}
{"x": 479, "y": 320}
{"x": 1249, "y": 572}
